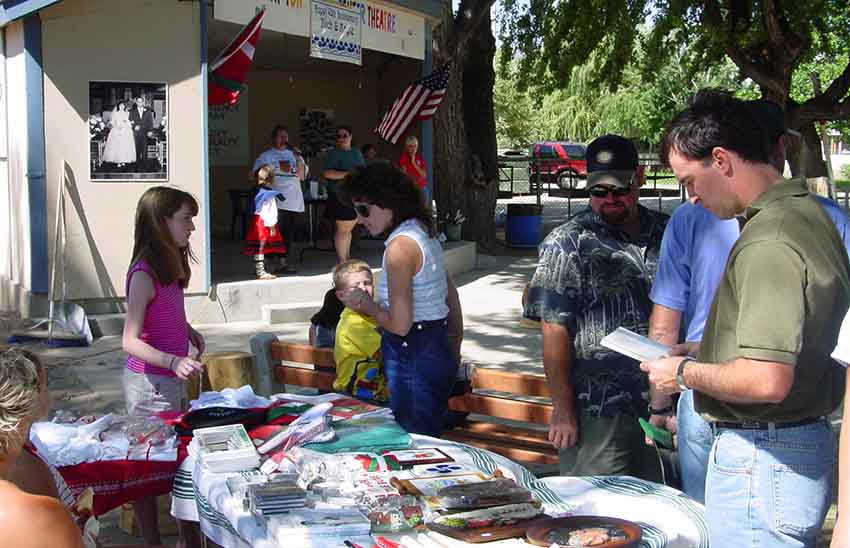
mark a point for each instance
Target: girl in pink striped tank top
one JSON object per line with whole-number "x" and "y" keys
{"x": 156, "y": 333}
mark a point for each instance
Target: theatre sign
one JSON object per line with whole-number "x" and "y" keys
{"x": 383, "y": 26}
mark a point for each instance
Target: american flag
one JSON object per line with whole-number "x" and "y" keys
{"x": 418, "y": 102}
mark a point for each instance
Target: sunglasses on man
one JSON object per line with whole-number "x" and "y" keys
{"x": 602, "y": 191}
{"x": 362, "y": 210}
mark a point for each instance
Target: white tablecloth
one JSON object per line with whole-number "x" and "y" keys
{"x": 668, "y": 518}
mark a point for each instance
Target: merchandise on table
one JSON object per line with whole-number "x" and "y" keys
{"x": 111, "y": 437}
{"x": 497, "y": 492}
{"x": 226, "y": 448}
{"x": 419, "y": 456}
{"x": 373, "y": 434}
{"x": 306, "y": 525}
{"x": 395, "y": 514}
{"x": 275, "y": 497}
{"x": 489, "y": 524}
{"x": 585, "y": 532}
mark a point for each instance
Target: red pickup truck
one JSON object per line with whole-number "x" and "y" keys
{"x": 559, "y": 162}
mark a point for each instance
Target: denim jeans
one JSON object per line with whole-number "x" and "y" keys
{"x": 769, "y": 488}
{"x": 421, "y": 370}
{"x": 694, "y": 443}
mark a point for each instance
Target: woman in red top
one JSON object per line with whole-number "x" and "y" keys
{"x": 412, "y": 163}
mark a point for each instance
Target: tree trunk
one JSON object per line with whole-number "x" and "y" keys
{"x": 465, "y": 164}
{"x": 805, "y": 154}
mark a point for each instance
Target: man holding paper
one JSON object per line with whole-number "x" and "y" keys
{"x": 594, "y": 275}
{"x": 763, "y": 377}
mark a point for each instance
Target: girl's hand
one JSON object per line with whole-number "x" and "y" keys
{"x": 197, "y": 340}
{"x": 186, "y": 368}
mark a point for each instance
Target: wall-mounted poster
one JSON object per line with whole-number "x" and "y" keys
{"x": 128, "y": 131}
{"x": 228, "y": 133}
{"x": 335, "y": 33}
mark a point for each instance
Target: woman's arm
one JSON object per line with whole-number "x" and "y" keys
{"x": 139, "y": 296}
{"x": 403, "y": 260}
{"x": 455, "y": 318}
{"x": 841, "y": 531}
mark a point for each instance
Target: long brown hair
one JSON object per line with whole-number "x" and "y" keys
{"x": 152, "y": 241}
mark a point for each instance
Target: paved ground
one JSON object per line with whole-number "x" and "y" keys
{"x": 89, "y": 379}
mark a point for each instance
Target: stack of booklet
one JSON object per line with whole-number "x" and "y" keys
{"x": 226, "y": 448}
{"x": 318, "y": 527}
{"x": 274, "y": 497}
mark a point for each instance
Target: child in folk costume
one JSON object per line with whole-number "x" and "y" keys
{"x": 263, "y": 237}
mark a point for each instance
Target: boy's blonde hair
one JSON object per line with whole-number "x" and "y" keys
{"x": 344, "y": 269}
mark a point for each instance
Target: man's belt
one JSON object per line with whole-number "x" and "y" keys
{"x": 755, "y": 425}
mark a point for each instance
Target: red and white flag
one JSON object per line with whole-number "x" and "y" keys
{"x": 229, "y": 71}
{"x": 418, "y": 102}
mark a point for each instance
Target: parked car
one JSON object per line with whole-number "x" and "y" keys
{"x": 560, "y": 162}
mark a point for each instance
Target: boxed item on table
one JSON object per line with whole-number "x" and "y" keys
{"x": 484, "y": 494}
{"x": 305, "y": 524}
{"x": 226, "y": 448}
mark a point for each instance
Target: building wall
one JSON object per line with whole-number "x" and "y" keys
{"x": 117, "y": 40}
{"x": 15, "y": 264}
{"x": 276, "y": 97}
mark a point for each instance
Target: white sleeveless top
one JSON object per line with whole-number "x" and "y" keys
{"x": 429, "y": 284}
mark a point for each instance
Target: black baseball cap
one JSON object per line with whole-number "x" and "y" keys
{"x": 771, "y": 117}
{"x": 611, "y": 160}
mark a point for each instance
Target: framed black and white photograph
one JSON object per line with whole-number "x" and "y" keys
{"x": 128, "y": 131}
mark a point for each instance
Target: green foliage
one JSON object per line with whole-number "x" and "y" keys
{"x": 585, "y": 109}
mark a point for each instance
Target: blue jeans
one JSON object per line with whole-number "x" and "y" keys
{"x": 421, "y": 371}
{"x": 769, "y": 488}
{"x": 694, "y": 438}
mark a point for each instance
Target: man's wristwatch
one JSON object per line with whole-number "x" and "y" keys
{"x": 680, "y": 374}
{"x": 664, "y": 411}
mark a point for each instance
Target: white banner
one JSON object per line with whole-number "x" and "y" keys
{"x": 384, "y": 28}
{"x": 335, "y": 33}
{"x": 228, "y": 134}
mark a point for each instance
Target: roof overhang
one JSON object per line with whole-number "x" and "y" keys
{"x": 12, "y": 10}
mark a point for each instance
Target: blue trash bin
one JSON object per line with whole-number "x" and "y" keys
{"x": 523, "y": 225}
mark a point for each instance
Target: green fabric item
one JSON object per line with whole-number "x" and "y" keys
{"x": 366, "y": 435}
{"x": 782, "y": 298}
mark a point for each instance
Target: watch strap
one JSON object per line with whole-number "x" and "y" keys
{"x": 680, "y": 373}
{"x": 663, "y": 411}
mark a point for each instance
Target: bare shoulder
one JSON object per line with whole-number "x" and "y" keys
{"x": 35, "y": 521}
{"x": 404, "y": 253}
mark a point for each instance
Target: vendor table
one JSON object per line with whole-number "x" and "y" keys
{"x": 668, "y": 517}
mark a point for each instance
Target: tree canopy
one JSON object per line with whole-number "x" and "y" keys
{"x": 775, "y": 44}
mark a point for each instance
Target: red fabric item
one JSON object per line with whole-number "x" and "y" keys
{"x": 229, "y": 72}
{"x": 407, "y": 166}
{"x": 260, "y": 241}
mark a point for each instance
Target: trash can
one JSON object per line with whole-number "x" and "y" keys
{"x": 523, "y": 225}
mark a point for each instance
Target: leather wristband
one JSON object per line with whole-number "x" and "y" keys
{"x": 680, "y": 373}
{"x": 664, "y": 411}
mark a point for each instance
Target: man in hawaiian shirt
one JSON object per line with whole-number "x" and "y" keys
{"x": 594, "y": 275}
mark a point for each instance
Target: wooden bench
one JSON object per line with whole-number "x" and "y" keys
{"x": 517, "y": 441}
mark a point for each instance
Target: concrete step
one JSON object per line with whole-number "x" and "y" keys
{"x": 289, "y": 312}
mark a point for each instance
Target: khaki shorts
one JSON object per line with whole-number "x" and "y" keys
{"x": 151, "y": 394}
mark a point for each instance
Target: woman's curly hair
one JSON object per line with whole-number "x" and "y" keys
{"x": 20, "y": 393}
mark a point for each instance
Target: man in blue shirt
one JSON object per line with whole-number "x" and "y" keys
{"x": 694, "y": 250}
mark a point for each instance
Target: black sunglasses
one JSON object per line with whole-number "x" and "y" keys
{"x": 602, "y": 191}
{"x": 362, "y": 210}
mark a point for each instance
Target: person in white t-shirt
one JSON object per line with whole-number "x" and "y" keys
{"x": 287, "y": 182}
{"x": 841, "y": 531}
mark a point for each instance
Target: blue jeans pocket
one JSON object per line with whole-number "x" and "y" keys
{"x": 800, "y": 497}
{"x": 732, "y": 454}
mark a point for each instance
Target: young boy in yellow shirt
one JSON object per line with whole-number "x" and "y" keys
{"x": 357, "y": 349}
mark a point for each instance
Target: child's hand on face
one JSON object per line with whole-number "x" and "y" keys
{"x": 355, "y": 298}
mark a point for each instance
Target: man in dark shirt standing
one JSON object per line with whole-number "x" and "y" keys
{"x": 763, "y": 376}
{"x": 594, "y": 275}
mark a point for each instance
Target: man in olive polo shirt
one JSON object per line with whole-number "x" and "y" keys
{"x": 763, "y": 375}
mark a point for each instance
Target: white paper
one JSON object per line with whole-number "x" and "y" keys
{"x": 637, "y": 347}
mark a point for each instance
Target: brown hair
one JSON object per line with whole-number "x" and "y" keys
{"x": 341, "y": 271}
{"x": 386, "y": 186}
{"x": 152, "y": 241}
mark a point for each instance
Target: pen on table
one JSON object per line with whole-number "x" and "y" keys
{"x": 351, "y": 544}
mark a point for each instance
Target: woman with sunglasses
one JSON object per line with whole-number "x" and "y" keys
{"x": 418, "y": 309}
{"x": 338, "y": 163}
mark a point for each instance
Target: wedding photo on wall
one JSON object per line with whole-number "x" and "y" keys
{"x": 128, "y": 131}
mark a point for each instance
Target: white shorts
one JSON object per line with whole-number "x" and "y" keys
{"x": 150, "y": 394}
